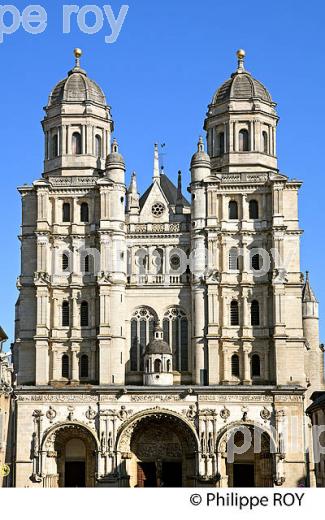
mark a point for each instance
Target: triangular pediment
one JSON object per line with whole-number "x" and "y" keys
{"x": 155, "y": 206}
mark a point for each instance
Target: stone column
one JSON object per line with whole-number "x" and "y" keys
{"x": 258, "y": 136}
{"x": 68, "y": 135}
{"x": 83, "y": 138}
{"x": 231, "y": 136}
{"x": 244, "y": 207}
{"x": 247, "y": 380}
{"x": 226, "y": 365}
{"x": 199, "y": 331}
{"x": 74, "y": 363}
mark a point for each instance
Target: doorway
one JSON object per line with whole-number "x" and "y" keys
{"x": 171, "y": 474}
{"x": 147, "y": 475}
{"x": 75, "y": 474}
{"x": 244, "y": 475}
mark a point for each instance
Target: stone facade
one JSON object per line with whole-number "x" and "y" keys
{"x": 101, "y": 386}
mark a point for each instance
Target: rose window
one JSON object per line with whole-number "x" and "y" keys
{"x": 157, "y": 209}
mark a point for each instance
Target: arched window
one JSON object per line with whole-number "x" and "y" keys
{"x": 142, "y": 331}
{"x": 265, "y": 142}
{"x": 255, "y": 313}
{"x": 98, "y": 146}
{"x": 54, "y": 146}
{"x": 221, "y": 143}
{"x": 65, "y": 262}
{"x": 233, "y": 259}
{"x": 168, "y": 365}
{"x": 84, "y": 315}
{"x": 256, "y": 365}
{"x": 65, "y": 366}
{"x": 253, "y": 209}
{"x": 76, "y": 143}
{"x": 256, "y": 262}
{"x": 233, "y": 210}
{"x": 157, "y": 366}
{"x": 65, "y": 314}
{"x": 234, "y": 313}
{"x": 243, "y": 140}
{"x": 175, "y": 327}
{"x": 87, "y": 264}
{"x": 84, "y": 212}
{"x": 84, "y": 366}
{"x": 66, "y": 217}
{"x": 235, "y": 365}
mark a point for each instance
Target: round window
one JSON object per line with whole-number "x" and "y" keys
{"x": 157, "y": 209}
{"x": 175, "y": 262}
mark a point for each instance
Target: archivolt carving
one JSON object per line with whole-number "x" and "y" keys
{"x": 237, "y": 425}
{"x": 161, "y": 419}
{"x": 80, "y": 429}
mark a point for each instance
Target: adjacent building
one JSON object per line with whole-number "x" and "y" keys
{"x": 155, "y": 334}
{"x": 5, "y": 411}
{"x": 316, "y": 412}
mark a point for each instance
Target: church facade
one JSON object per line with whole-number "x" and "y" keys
{"x": 161, "y": 341}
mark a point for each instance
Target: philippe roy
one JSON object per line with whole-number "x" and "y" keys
{"x": 250, "y": 502}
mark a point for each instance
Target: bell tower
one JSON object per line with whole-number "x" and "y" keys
{"x": 77, "y": 126}
{"x": 241, "y": 125}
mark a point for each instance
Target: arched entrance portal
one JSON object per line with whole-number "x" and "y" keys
{"x": 246, "y": 457}
{"x": 159, "y": 450}
{"x": 71, "y": 452}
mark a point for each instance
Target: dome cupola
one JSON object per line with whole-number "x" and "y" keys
{"x": 241, "y": 124}
{"x": 158, "y": 360}
{"x": 241, "y": 85}
{"x": 77, "y": 87}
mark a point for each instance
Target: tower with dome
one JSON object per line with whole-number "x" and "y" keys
{"x": 155, "y": 335}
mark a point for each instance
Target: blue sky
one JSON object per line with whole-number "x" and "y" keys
{"x": 159, "y": 77}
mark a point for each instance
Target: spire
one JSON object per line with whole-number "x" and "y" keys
{"x": 158, "y": 331}
{"x": 200, "y": 144}
{"x": 156, "y": 175}
{"x": 179, "y": 185}
{"x": 133, "y": 197}
{"x": 77, "y": 54}
{"x": 241, "y": 56}
{"x": 307, "y": 292}
{"x": 114, "y": 147}
{"x": 133, "y": 184}
{"x": 179, "y": 200}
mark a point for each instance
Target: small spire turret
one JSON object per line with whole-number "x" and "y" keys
{"x": 179, "y": 200}
{"x": 156, "y": 174}
{"x": 133, "y": 197}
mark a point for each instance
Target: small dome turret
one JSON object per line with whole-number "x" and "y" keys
{"x": 158, "y": 360}
{"x": 200, "y": 157}
{"x": 115, "y": 159}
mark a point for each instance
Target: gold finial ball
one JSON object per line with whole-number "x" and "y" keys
{"x": 241, "y": 54}
{"x": 77, "y": 52}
